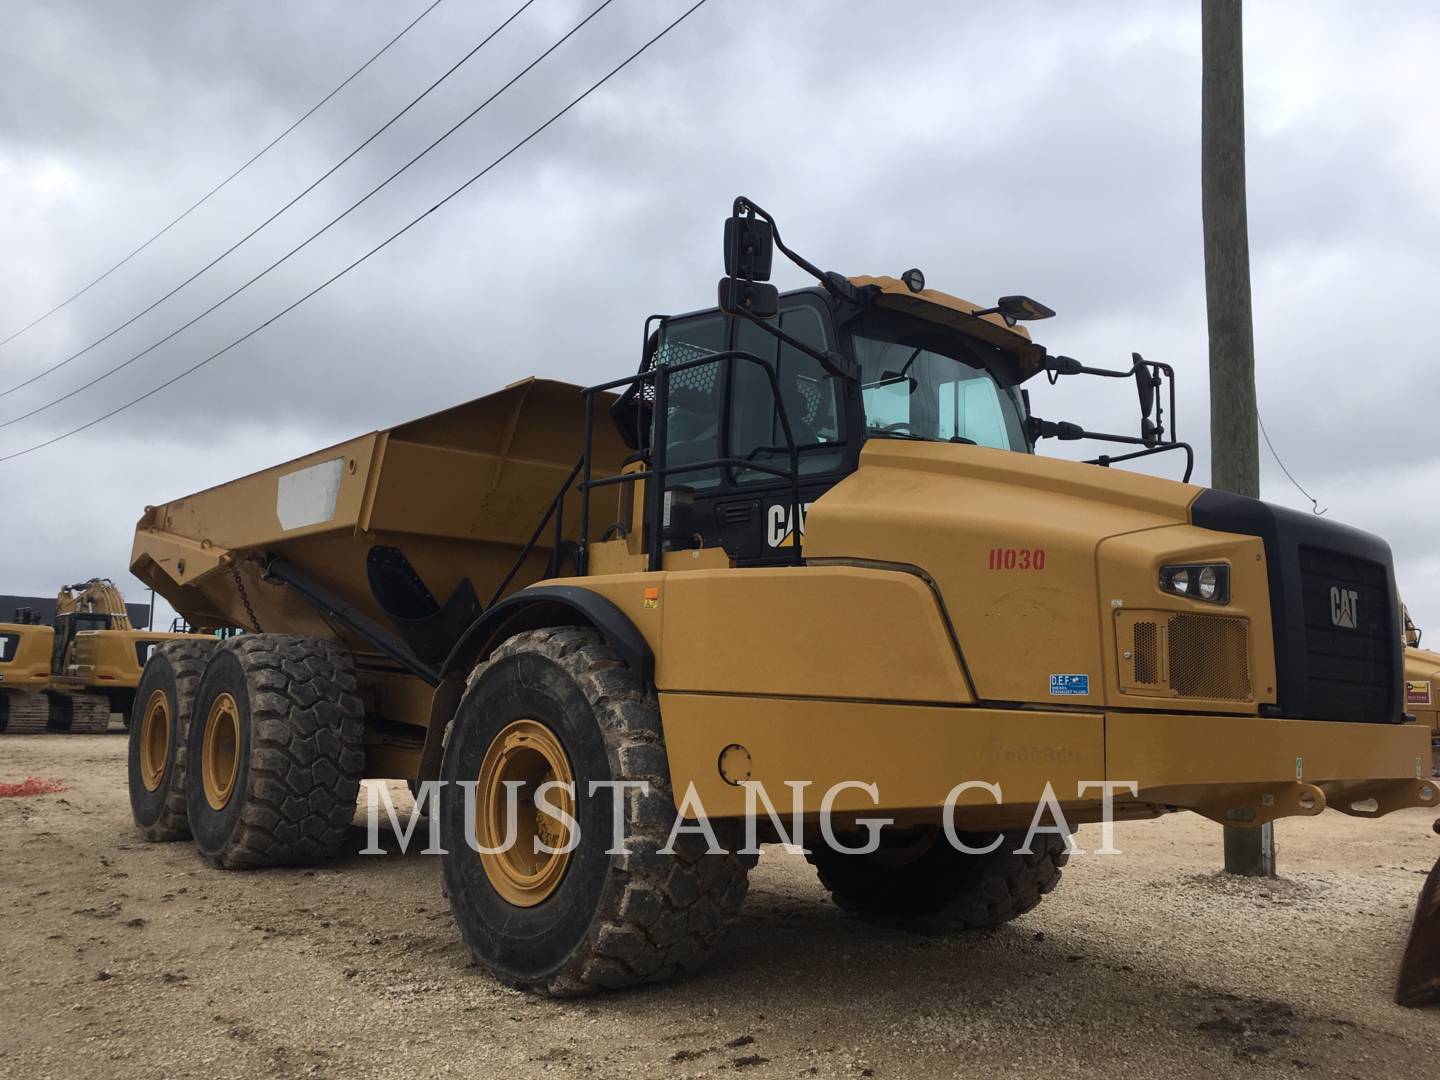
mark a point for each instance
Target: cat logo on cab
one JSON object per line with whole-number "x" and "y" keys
{"x": 779, "y": 528}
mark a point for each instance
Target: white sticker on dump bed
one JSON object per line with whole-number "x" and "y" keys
{"x": 307, "y": 497}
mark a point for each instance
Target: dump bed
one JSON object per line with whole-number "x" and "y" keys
{"x": 456, "y": 494}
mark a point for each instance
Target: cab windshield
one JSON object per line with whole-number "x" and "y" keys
{"x": 920, "y": 380}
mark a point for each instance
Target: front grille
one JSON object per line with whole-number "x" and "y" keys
{"x": 1350, "y": 637}
{"x": 1334, "y": 611}
{"x": 1209, "y": 657}
{"x": 1184, "y": 655}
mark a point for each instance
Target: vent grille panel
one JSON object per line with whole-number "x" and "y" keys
{"x": 1209, "y": 657}
{"x": 1147, "y": 653}
{"x": 1185, "y": 655}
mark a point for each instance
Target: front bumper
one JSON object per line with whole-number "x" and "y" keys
{"x": 1250, "y": 770}
{"x": 1240, "y": 770}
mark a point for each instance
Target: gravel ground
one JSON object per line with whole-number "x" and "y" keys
{"x": 125, "y": 959}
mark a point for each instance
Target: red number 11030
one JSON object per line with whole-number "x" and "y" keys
{"x": 1017, "y": 558}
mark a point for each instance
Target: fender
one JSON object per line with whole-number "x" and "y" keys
{"x": 530, "y": 609}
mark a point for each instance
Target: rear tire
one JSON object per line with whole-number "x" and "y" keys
{"x": 277, "y": 782}
{"x": 24, "y": 712}
{"x": 160, "y": 722}
{"x": 600, "y": 920}
{"x": 936, "y": 889}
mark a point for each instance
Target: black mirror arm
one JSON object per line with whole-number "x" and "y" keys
{"x": 833, "y": 283}
{"x": 1106, "y": 460}
{"x": 1068, "y": 365}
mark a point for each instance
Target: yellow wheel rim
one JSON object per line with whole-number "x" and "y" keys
{"x": 220, "y": 757}
{"x": 527, "y": 754}
{"x": 154, "y": 740}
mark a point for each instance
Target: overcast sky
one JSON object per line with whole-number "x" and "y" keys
{"x": 1045, "y": 148}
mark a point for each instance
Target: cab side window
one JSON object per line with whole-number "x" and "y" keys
{"x": 811, "y": 397}
{"x": 696, "y": 396}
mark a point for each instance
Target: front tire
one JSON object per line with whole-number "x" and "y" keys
{"x": 275, "y": 751}
{"x": 560, "y": 704}
{"x": 918, "y": 882}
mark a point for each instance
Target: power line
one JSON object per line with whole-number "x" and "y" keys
{"x": 384, "y": 243}
{"x": 206, "y": 197}
{"x": 1314, "y": 505}
{"x": 317, "y": 182}
{"x": 318, "y": 233}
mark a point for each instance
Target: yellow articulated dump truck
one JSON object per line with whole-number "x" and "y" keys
{"x": 805, "y": 559}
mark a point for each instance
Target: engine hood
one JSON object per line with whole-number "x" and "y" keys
{"x": 1010, "y": 542}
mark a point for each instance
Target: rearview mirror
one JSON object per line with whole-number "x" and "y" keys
{"x": 1015, "y": 309}
{"x": 749, "y": 248}
{"x": 1144, "y": 384}
{"x": 890, "y": 378}
{"x": 753, "y": 298}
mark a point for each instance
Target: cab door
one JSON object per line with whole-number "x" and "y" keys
{"x": 730, "y": 411}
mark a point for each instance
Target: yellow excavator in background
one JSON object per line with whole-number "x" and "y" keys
{"x": 72, "y": 675}
{"x": 25, "y": 649}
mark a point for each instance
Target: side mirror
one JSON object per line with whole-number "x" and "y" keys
{"x": 749, "y": 252}
{"x": 749, "y": 248}
{"x": 1149, "y": 434}
{"x": 1015, "y": 309}
{"x": 1144, "y": 383}
{"x": 1412, "y": 637}
{"x": 754, "y": 298}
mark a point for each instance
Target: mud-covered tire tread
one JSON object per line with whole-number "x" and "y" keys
{"x": 659, "y": 915}
{"x": 973, "y": 892}
{"x": 307, "y": 751}
{"x": 26, "y": 713}
{"x": 187, "y": 663}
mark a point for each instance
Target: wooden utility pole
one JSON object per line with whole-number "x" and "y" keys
{"x": 1234, "y": 425}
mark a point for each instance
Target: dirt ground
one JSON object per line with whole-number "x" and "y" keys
{"x": 126, "y": 959}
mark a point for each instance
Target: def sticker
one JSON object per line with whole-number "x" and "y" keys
{"x": 1069, "y": 685}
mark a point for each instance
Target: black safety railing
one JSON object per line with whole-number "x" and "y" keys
{"x": 555, "y": 510}
{"x": 661, "y": 470}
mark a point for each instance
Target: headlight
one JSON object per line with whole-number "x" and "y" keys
{"x": 1198, "y": 581}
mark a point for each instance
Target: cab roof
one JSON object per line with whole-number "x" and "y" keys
{"x": 959, "y": 315}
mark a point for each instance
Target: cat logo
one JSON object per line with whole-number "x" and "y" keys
{"x": 1343, "y": 603}
{"x": 779, "y": 529}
